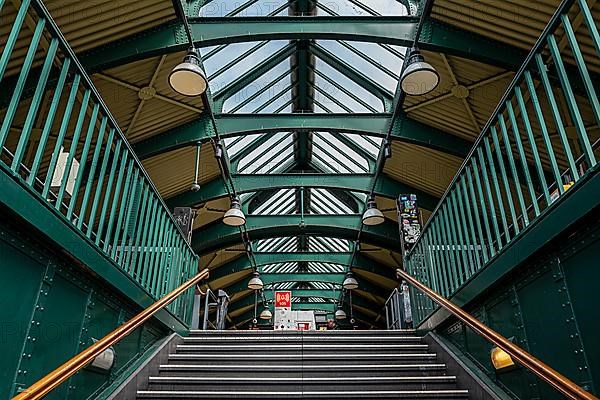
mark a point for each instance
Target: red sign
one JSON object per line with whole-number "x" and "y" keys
{"x": 283, "y": 299}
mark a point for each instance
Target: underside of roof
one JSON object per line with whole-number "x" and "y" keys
{"x": 302, "y": 94}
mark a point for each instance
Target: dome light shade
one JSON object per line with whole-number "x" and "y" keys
{"x": 419, "y": 77}
{"x": 372, "y": 215}
{"x": 188, "y": 78}
{"x": 350, "y": 282}
{"x": 234, "y": 216}
{"x": 255, "y": 283}
{"x": 340, "y": 314}
{"x": 266, "y": 314}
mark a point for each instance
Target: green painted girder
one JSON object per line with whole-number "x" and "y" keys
{"x": 304, "y": 294}
{"x": 217, "y": 235}
{"x": 246, "y": 183}
{"x": 395, "y": 30}
{"x": 405, "y": 129}
{"x": 342, "y": 258}
{"x": 374, "y": 292}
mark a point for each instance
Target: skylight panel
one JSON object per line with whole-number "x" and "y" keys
{"x": 249, "y": 8}
{"x": 362, "y": 7}
{"x": 269, "y": 156}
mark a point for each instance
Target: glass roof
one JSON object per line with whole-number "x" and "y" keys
{"x": 317, "y": 76}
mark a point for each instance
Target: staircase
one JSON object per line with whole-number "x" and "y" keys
{"x": 307, "y": 365}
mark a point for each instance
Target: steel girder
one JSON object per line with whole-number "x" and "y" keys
{"x": 404, "y": 129}
{"x": 304, "y": 294}
{"x": 217, "y": 235}
{"x": 342, "y": 258}
{"x": 246, "y": 183}
{"x": 399, "y": 30}
{"x": 359, "y": 313}
{"x": 377, "y": 293}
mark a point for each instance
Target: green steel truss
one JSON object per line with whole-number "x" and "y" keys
{"x": 216, "y": 236}
{"x": 360, "y": 262}
{"x": 207, "y": 31}
{"x": 405, "y": 129}
{"x": 247, "y": 183}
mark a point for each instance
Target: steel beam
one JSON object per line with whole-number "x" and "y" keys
{"x": 405, "y": 129}
{"x": 342, "y": 258}
{"x": 394, "y": 30}
{"x": 217, "y": 235}
{"x": 246, "y": 183}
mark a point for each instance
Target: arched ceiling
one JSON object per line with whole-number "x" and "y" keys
{"x": 303, "y": 93}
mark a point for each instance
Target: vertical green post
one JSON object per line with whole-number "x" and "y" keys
{"x": 123, "y": 206}
{"x": 533, "y": 144}
{"x": 61, "y": 135}
{"x": 107, "y": 191}
{"x": 494, "y": 174}
{"x": 13, "y": 36}
{"x": 84, "y": 155}
{"x": 92, "y": 173}
{"x": 505, "y": 182}
{"x": 72, "y": 149}
{"x": 476, "y": 215}
{"x": 463, "y": 232}
{"x": 572, "y": 102}
{"x": 490, "y": 198}
{"x": 36, "y": 100}
{"x": 513, "y": 169}
{"x": 18, "y": 90}
{"x": 544, "y": 129}
{"x": 116, "y": 199}
{"x": 49, "y": 122}
{"x": 465, "y": 204}
{"x": 133, "y": 193}
{"x": 135, "y": 239}
{"x": 484, "y": 213}
{"x": 459, "y": 239}
{"x": 522, "y": 157}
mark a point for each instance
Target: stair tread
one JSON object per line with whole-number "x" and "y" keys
{"x": 300, "y": 378}
{"x": 306, "y": 367}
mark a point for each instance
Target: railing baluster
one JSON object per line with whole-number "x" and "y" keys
{"x": 522, "y": 157}
{"x": 545, "y": 136}
{"x": 84, "y": 155}
{"x": 133, "y": 194}
{"x": 32, "y": 114}
{"x": 452, "y": 238}
{"x": 571, "y": 102}
{"x": 513, "y": 169}
{"x": 136, "y": 239}
{"x": 156, "y": 265}
{"x": 497, "y": 191}
{"x": 18, "y": 91}
{"x": 459, "y": 248}
{"x": 534, "y": 150}
{"x": 107, "y": 191}
{"x": 123, "y": 206}
{"x": 476, "y": 214}
{"x": 464, "y": 198}
{"x": 443, "y": 257}
{"x": 463, "y": 232}
{"x": 72, "y": 150}
{"x": 484, "y": 212}
{"x": 583, "y": 71}
{"x": 490, "y": 198}
{"x": 148, "y": 248}
{"x": 90, "y": 178}
{"x": 591, "y": 24}
{"x": 12, "y": 37}
{"x": 49, "y": 122}
{"x": 116, "y": 200}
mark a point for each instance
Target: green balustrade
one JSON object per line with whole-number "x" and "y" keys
{"x": 541, "y": 140}
{"x": 69, "y": 151}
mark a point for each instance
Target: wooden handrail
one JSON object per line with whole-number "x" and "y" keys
{"x": 543, "y": 371}
{"x": 49, "y": 382}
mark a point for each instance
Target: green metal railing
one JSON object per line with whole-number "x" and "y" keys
{"x": 542, "y": 138}
{"x": 58, "y": 138}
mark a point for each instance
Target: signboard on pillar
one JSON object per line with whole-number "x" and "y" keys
{"x": 283, "y": 299}
{"x": 409, "y": 219}
{"x": 283, "y": 311}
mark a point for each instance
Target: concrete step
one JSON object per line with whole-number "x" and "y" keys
{"x": 306, "y": 348}
{"x": 257, "y": 339}
{"x": 319, "y": 358}
{"x": 305, "y": 394}
{"x": 306, "y": 370}
{"x": 353, "y": 333}
{"x": 301, "y": 383}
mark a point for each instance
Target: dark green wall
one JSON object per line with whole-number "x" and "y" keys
{"x": 550, "y": 305}
{"x": 50, "y": 309}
